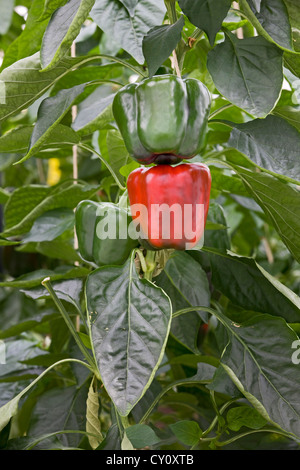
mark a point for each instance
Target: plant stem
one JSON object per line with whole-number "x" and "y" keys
{"x": 74, "y": 148}
{"x": 75, "y": 174}
{"x": 166, "y": 389}
{"x": 240, "y": 436}
{"x": 175, "y": 63}
{"x": 177, "y": 54}
{"x": 215, "y": 420}
{"x": 217, "y": 111}
{"x": 171, "y": 10}
{"x": 124, "y": 421}
{"x": 142, "y": 260}
{"x": 190, "y": 309}
{"x": 197, "y": 34}
{"x": 40, "y": 167}
{"x": 150, "y": 264}
{"x": 137, "y": 70}
{"x": 56, "y": 433}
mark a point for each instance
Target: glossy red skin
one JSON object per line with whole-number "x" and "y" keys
{"x": 188, "y": 183}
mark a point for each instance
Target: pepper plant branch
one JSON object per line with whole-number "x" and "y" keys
{"x": 52, "y": 434}
{"x": 241, "y": 435}
{"x": 74, "y": 114}
{"x": 216, "y": 418}
{"x": 197, "y": 34}
{"x": 166, "y": 389}
{"x": 175, "y": 63}
{"x": 75, "y": 173}
{"x": 239, "y": 31}
{"x": 142, "y": 260}
{"x": 150, "y": 264}
{"x": 191, "y": 309}
{"x": 176, "y": 54}
{"x": 171, "y": 10}
{"x": 217, "y": 111}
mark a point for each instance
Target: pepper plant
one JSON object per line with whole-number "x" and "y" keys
{"x": 111, "y": 344}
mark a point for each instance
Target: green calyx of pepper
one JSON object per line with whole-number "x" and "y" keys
{"x": 94, "y": 244}
{"x": 163, "y": 119}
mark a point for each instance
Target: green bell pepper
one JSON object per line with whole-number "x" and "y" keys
{"x": 95, "y": 243}
{"x": 163, "y": 119}
{"x": 85, "y": 223}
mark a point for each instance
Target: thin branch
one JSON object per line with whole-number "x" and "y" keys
{"x": 175, "y": 64}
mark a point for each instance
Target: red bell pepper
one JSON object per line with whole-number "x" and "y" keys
{"x": 169, "y": 204}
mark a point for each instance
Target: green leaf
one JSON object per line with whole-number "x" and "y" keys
{"x": 222, "y": 383}
{"x": 159, "y": 43}
{"x": 85, "y": 340}
{"x": 186, "y": 283}
{"x": 280, "y": 202}
{"x": 141, "y": 435}
{"x": 63, "y": 28}
{"x": 4, "y": 242}
{"x": 130, "y": 320}
{"x": 26, "y": 325}
{"x": 204, "y": 375}
{"x": 60, "y": 408}
{"x": 130, "y": 5}
{"x": 50, "y": 6}
{"x": 126, "y": 444}
{"x": 117, "y": 152}
{"x": 226, "y": 183}
{"x": 188, "y": 432}
{"x": 271, "y": 21}
{"x": 290, "y": 113}
{"x": 92, "y": 417}
{"x": 234, "y": 25}
{"x": 212, "y": 238}
{"x": 95, "y": 112}
{"x": 4, "y": 196}
{"x": 34, "y": 279}
{"x": 28, "y": 203}
{"x": 6, "y": 8}
{"x": 88, "y": 74}
{"x": 22, "y": 83}
{"x": 58, "y": 249}
{"x": 240, "y": 416}
{"x": 128, "y": 168}
{"x": 10, "y": 409}
{"x": 112, "y": 440}
{"x": 294, "y": 18}
{"x": 206, "y": 15}
{"x": 28, "y": 42}
{"x": 114, "y": 19}
{"x": 237, "y": 277}
{"x": 17, "y": 140}
{"x": 248, "y": 72}
{"x": 67, "y": 290}
{"x": 271, "y": 143}
{"x": 50, "y": 225}
{"x": 258, "y": 359}
{"x": 51, "y": 112}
